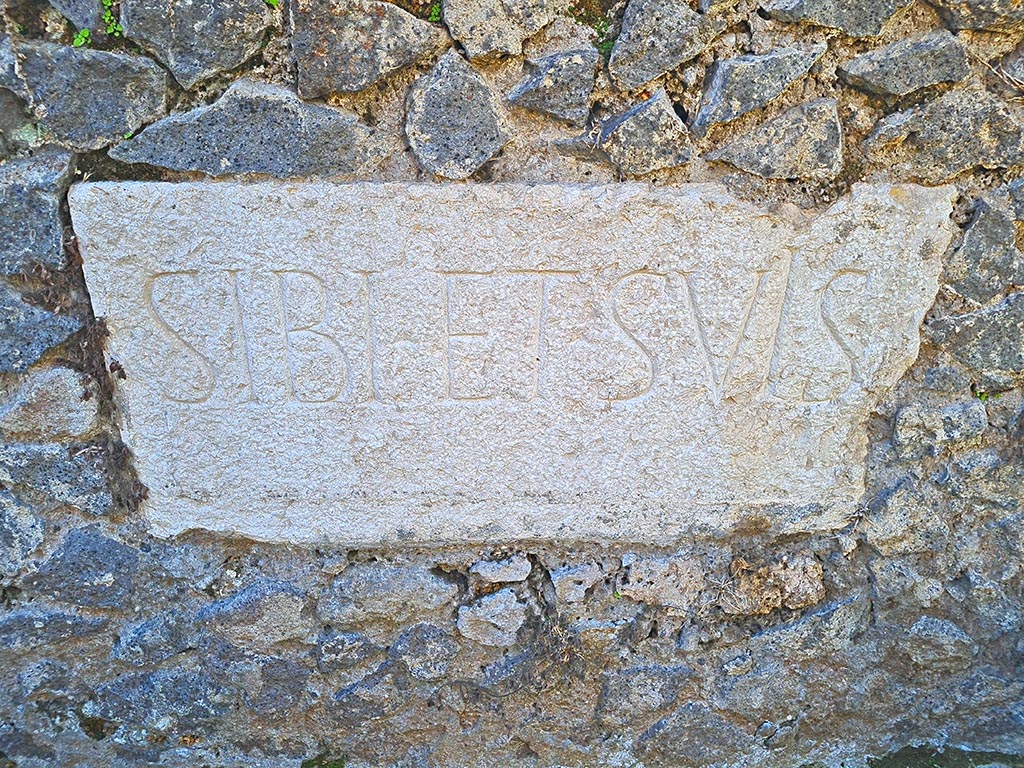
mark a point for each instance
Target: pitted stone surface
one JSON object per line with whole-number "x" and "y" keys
{"x": 988, "y": 261}
{"x": 343, "y": 46}
{"x": 909, "y": 65}
{"x": 997, "y": 15}
{"x": 84, "y": 14}
{"x": 658, "y": 36}
{"x": 49, "y": 404}
{"x": 31, "y": 230}
{"x": 493, "y": 28}
{"x": 260, "y": 129}
{"x": 862, "y": 18}
{"x": 647, "y": 138}
{"x": 454, "y": 121}
{"x": 736, "y": 86}
{"x": 706, "y": 360}
{"x": 21, "y": 531}
{"x": 88, "y": 99}
{"x": 559, "y": 85}
{"x": 804, "y": 142}
{"x": 197, "y": 39}
{"x": 28, "y": 332}
{"x": 991, "y": 339}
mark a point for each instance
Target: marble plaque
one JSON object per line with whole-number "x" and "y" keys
{"x": 378, "y": 363}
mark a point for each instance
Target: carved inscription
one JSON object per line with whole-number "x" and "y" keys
{"x": 385, "y": 362}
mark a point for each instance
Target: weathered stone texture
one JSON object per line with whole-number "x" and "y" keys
{"x": 88, "y": 99}
{"x": 863, "y": 18}
{"x": 494, "y": 28}
{"x": 454, "y": 121}
{"x": 906, "y": 66}
{"x": 343, "y": 46}
{"x": 197, "y": 39}
{"x": 988, "y": 261}
{"x": 255, "y": 128}
{"x": 27, "y": 332}
{"x": 649, "y": 137}
{"x": 559, "y": 85}
{"x": 657, "y": 36}
{"x": 844, "y": 263}
{"x": 999, "y": 15}
{"x": 990, "y": 339}
{"x": 804, "y": 142}
{"x": 84, "y": 14}
{"x": 737, "y": 86}
{"x": 89, "y": 569}
{"x": 50, "y": 404}
{"x": 494, "y": 619}
{"x": 31, "y": 228}
{"x": 21, "y": 531}
{"x": 63, "y": 474}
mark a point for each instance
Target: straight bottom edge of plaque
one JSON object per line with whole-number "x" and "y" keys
{"x": 446, "y": 523}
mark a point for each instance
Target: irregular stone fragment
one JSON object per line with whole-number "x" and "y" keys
{"x": 67, "y": 475}
{"x": 165, "y": 700}
{"x": 690, "y": 737}
{"x": 21, "y": 531}
{"x": 672, "y": 582}
{"x": 631, "y": 693}
{"x": 32, "y": 627}
{"x": 804, "y": 142}
{"x": 88, "y": 98}
{"x": 344, "y": 46}
{"x": 736, "y": 86}
{"x": 83, "y": 14}
{"x": 559, "y": 85}
{"x": 989, "y": 340}
{"x": 494, "y": 619}
{"x": 497, "y": 27}
{"x": 454, "y": 121}
{"x": 336, "y": 650}
{"x": 988, "y": 261}
{"x": 793, "y": 582}
{"x": 9, "y": 79}
{"x": 647, "y": 138}
{"x": 157, "y": 639}
{"x": 904, "y": 520}
{"x": 996, "y": 15}
{"x": 258, "y": 616}
{"x": 571, "y": 582}
{"x": 939, "y": 645}
{"x": 963, "y": 129}
{"x": 31, "y": 230}
{"x": 658, "y": 36}
{"x": 820, "y": 632}
{"x": 369, "y": 592}
{"x": 906, "y": 66}
{"x": 426, "y": 651}
{"x": 515, "y": 568}
{"x": 27, "y": 332}
{"x": 380, "y": 694}
{"x": 864, "y": 18}
{"x": 1015, "y": 193}
{"x": 50, "y": 404}
{"x": 196, "y": 40}
{"x": 257, "y": 128}
{"x": 89, "y": 569}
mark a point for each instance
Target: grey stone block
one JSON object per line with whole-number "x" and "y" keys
{"x": 21, "y": 531}
{"x": 495, "y": 28}
{"x": 31, "y": 230}
{"x": 988, "y": 260}
{"x": 65, "y": 474}
{"x": 988, "y": 340}
{"x": 559, "y": 85}
{"x": 89, "y": 569}
{"x": 27, "y": 332}
{"x": 860, "y": 18}
{"x": 906, "y": 66}
{"x": 647, "y": 138}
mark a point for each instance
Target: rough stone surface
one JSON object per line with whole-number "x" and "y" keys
{"x": 964, "y": 129}
{"x": 427, "y": 651}
{"x": 21, "y": 531}
{"x": 84, "y": 14}
{"x": 89, "y": 569}
{"x": 9, "y": 78}
{"x": 673, "y": 583}
{"x": 494, "y": 619}
{"x": 376, "y": 591}
{"x": 454, "y": 121}
{"x": 939, "y": 644}
{"x": 906, "y": 66}
{"x": 344, "y": 46}
{"x": 647, "y": 138}
{"x": 259, "y": 129}
{"x": 88, "y": 99}
{"x": 988, "y": 261}
{"x": 657, "y": 36}
{"x": 998, "y": 15}
{"x": 494, "y": 28}
{"x": 921, "y": 430}
{"x": 515, "y": 568}
{"x": 638, "y": 691}
{"x": 864, "y": 18}
{"x": 31, "y": 229}
{"x": 197, "y": 40}
{"x": 50, "y": 404}
{"x": 904, "y": 520}
{"x": 990, "y": 339}
{"x": 571, "y": 582}
{"x": 63, "y": 474}
{"x": 805, "y": 369}
{"x": 30, "y": 628}
{"x": 804, "y": 142}
{"x": 737, "y": 86}
{"x": 27, "y": 332}
{"x": 258, "y": 616}
{"x": 559, "y": 85}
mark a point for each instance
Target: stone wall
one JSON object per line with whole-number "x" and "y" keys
{"x": 901, "y": 628}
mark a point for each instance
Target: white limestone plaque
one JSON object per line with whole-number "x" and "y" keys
{"x": 370, "y": 363}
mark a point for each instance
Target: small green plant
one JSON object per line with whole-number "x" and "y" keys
{"x": 114, "y": 29}
{"x": 129, "y": 135}
{"x": 984, "y": 396}
{"x": 82, "y": 38}
{"x": 272, "y": 3}
{"x": 435, "y": 13}
{"x": 324, "y": 761}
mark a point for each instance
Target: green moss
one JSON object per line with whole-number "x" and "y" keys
{"x": 324, "y": 760}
